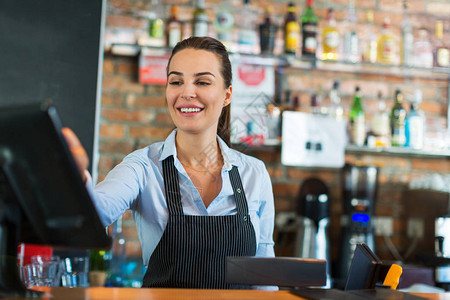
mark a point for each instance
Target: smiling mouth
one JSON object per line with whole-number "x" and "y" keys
{"x": 190, "y": 110}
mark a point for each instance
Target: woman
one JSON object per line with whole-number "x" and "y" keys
{"x": 195, "y": 201}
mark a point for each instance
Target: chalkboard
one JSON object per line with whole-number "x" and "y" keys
{"x": 52, "y": 50}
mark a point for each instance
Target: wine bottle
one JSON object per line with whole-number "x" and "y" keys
{"x": 415, "y": 123}
{"x": 291, "y": 31}
{"x": 386, "y": 46}
{"x": 351, "y": 38}
{"x": 441, "y": 52}
{"x": 406, "y": 47}
{"x": 200, "y": 20}
{"x": 330, "y": 38}
{"x": 173, "y": 32}
{"x": 397, "y": 120}
{"x": 357, "y": 120}
{"x": 267, "y": 32}
{"x": 309, "y": 31}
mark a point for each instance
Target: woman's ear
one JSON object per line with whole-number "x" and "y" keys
{"x": 228, "y": 94}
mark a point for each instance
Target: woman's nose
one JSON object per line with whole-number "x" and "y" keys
{"x": 188, "y": 91}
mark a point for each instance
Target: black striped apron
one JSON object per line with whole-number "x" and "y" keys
{"x": 193, "y": 249}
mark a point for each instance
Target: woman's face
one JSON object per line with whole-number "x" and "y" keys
{"x": 195, "y": 91}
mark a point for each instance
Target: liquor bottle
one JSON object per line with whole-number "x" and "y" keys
{"x": 370, "y": 40}
{"x": 423, "y": 50}
{"x": 117, "y": 274}
{"x": 386, "y": 46}
{"x": 267, "y": 32}
{"x": 173, "y": 28}
{"x": 380, "y": 124}
{"x": 357, "y": 120}
{"x": 330, "y": 38}
{"x": 415, "y": 123}
{"x": 223, "y": 24}
{"x": 309, "y": 31}
{"x": 407, "y": 41}
{"x": 247, "y": 35}
{"x": 200, "y": 20}
{"x": 156, "y": 23}
{"x": 337, "y": 111}
{"x": 98, "y": 265}
{"x": 441, "y": 52}
{"x": 351, "y": 39}
{"x": 291, "y": 31}
{"x": 397, "y": 120}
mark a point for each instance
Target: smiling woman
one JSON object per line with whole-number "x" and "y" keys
{"x": 195, "y": 200}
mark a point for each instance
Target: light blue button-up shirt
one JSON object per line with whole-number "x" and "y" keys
{"x": 137, "y": 184}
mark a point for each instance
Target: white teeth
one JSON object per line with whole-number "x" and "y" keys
{"x": 189, "y": 110}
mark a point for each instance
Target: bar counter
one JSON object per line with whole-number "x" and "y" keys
{"x": 60, "y": 293}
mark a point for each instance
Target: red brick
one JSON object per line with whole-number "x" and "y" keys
{"x": 116, "y": 147}
{"x": 145, "y": 101}
{"x": 122, "y": 83}
{"x": 433, "y": 107}
{"x": 434, "y": 165}
{"x": 438, "y": 8}
{"x": 265, "y": 156}
{"x": 130, "y": 232}
{"x": 111, "y": 99}
{"x": 105, "y": 163}
{"x": 108, "y": 66}
{"x": 133, "y": 249}
{"x": 275, "y": 172}
{"x": 127, "y": 21}
{"x": 164, "y": 119}
{"x": 282, "y": 204}
{"x": 121, "y": 115}
{"x": 285, "y": 189}
{"x": 127, "y": 216}
{"x": 114, "y": 131}
{"x": 149, "y": 132}
{"x": 127, "y": 67}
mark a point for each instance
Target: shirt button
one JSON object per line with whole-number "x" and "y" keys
{"x": 245, "y": 218}
{"x": 238, "y": 190}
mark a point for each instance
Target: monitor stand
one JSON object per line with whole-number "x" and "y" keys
{"x": 10, "y": 222}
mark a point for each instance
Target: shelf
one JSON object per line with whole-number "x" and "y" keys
{"x": 294, "y": 62}
{"x": 398, "y": 151}
{"x": 358, "y": 150}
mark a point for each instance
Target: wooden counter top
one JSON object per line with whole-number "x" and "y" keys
{"x": 60, "y": 293}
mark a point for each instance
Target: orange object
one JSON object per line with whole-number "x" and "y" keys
{"x": 393, "y": 276}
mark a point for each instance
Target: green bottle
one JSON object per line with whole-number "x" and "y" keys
{"x": 309, "y": 31}
{"x": 200, "y": 20}
{"x": 357, "y": 120}
{"x": 398, "y": 121}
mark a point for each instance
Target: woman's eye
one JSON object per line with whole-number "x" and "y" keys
{"x": 175, "y": 82}
{"x": 203, "y": 83}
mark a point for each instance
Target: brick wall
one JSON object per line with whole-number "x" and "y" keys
{"x": 134, "y": 115}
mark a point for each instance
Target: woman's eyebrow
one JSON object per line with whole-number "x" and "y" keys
{"x": 204, "y": 73}
{"x": 174, "y": 73}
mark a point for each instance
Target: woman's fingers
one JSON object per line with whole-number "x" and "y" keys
{"x": 77, "y": 150}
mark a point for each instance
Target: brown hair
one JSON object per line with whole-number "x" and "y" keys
{"x": 214, "y": 46}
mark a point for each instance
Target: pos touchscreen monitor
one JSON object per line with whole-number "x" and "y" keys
{"x": 43, "y": 198}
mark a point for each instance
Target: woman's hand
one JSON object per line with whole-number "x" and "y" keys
{"x": 77, "y": 150}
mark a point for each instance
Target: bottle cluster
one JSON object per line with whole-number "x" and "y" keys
{"x": 305, "y": 35}
{"x": 394, "y": 126}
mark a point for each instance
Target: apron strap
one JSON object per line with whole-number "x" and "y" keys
{"x": 238, "y": 190}
{"x": 172, "y": 187}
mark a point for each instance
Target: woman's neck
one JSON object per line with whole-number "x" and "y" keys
{"x": 200, "y": 151}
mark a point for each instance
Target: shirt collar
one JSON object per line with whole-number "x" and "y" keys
{"x": 230, "y": 157}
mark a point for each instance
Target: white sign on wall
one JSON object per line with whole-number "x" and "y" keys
{"x": 312, "y": 140}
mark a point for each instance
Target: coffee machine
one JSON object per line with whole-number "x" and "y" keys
{"x": 359, "y": 186}
{"x": 312, "y": 222}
